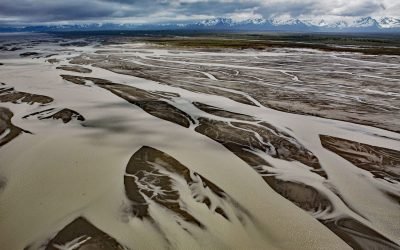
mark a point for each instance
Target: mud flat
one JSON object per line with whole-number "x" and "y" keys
{"x": 81, "y": 234}
{"x": 8, "y": 94}
{"x": 156, "y": 146}
{"x": 74, "y": 68}
{"x": 26, "y": 54}
{"x": 8, "y": 131}
{"x": 66, "y": 115}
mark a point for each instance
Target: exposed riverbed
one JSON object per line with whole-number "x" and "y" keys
{"x": 141, "y": 146}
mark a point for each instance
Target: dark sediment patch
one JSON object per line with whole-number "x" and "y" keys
{"x": 314, "y": 106}
{"x": 222, "y": 113}
{"x": 26, "y": 54}
{"x": 245, "y": 136}
{"x": 53, "y": 60}
{"x": 148, "y": 101}
{"x": 74, "y": 44}
{"x": 83, "y": 235}
{"x": 359, "y": 236}
{"x": 4, "y": 48}
{"x": 383, "y": 163}
{"x": 74, "y": 79}
{"x": 141, "y": 175}
{"x": 150, "y": 170}
{"x": 165, "y": 111}
{"x": 14, "y": 49}
{"x": 166, "y": 94}
{"x": 8, "y": 94}
{"x": 66, "y": 115}
{"x": 50, "y": 55}
{"x": 7, "y": 130}
{"x": 210, "y": 91}
{"x": 394, "y": 196}
{"x": 78, "y": 69}
{"x": 281, "y": 145}
{"x": 302, "y": 195}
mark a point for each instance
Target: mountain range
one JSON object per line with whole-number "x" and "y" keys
{"x": 364, "y": 24}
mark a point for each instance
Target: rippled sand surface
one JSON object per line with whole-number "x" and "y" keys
{"x": 138, "y": 146}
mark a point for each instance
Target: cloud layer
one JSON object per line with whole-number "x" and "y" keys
{"x": 145, "y": 11}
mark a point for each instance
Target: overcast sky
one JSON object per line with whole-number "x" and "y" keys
{"x": 146, "y": 11}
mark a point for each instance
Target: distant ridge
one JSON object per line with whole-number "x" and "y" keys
{"x": 364, "y": 24}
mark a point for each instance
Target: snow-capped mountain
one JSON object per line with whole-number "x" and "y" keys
{"x": 292, "y": 24}
{"x": 389, "y": 22}
{"x": 255, "y": 21}
{"x": 367, "y": 24}
{"x": 250, "y": 24}
{"x": 285, "y": 21}
{"x": 216, "y": 22}
{"x": 363, "y": 24}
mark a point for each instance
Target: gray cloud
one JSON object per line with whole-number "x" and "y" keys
{"x": 135, "y": 11}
